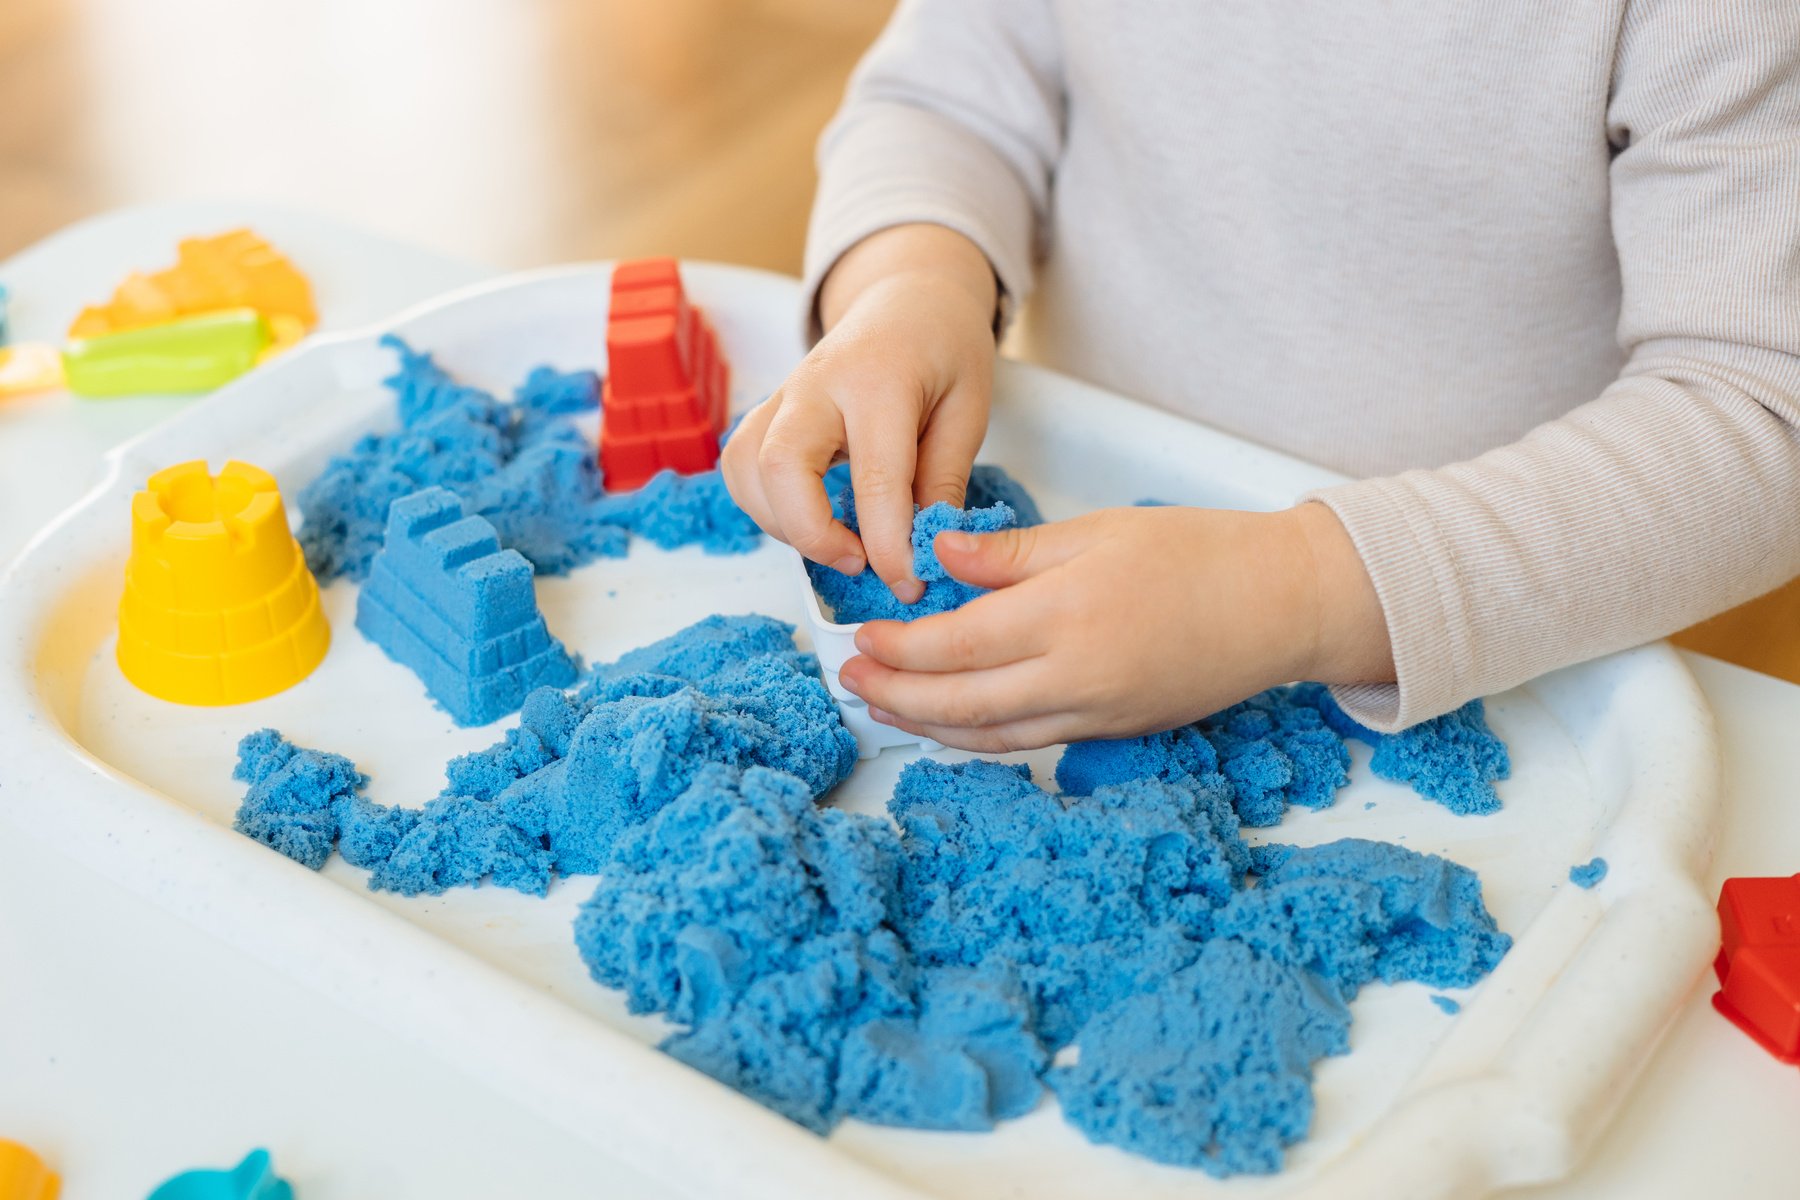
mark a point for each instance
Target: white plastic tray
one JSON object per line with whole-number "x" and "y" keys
{"x": 1616, "y": 757}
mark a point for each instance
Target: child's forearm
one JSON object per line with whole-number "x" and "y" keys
{"x": 918, "y": 252}
{"x": 1353, "y": 644}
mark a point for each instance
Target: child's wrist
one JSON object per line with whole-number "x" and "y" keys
{"x": 931, "y": 256}
{"x": 1341, "y": 610}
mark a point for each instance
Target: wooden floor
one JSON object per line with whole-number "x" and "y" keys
{"x": 513, "y": 132}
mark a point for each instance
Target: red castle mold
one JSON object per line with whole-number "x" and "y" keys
{"x": 1759, "y": 964}
{"x": 667, "y": 385}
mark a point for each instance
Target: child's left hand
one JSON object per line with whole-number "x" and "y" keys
{"x": 1122, "y": 622}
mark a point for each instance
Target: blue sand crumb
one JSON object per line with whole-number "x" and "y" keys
{"x": 1274, "y": 749}
{"x": 1453, "y": 759}
{"x": 1447, "y": 1004}
{"x": 1588, "y": 874}
{"x": 443, "y": 599}
{"x": 1356, "y": 911}
{"x": 294, "y": 796}
{"x": 1211, "y": 1068}
{"x": 524, "y": 466}
{"x": 990, "y": 485}
{"x": 1091, "y": 898}
{"x": 1286, "y": 746}
{"x": 575, "y": 772}
{"x": 864, "y": 597}
{"x": 994, "y": 501}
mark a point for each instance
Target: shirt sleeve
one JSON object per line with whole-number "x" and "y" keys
{"x": 954, "y": 118}
{"x": 1676, "y": 493}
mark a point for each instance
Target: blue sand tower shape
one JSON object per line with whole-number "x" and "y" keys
{"x": 444, "y": 599}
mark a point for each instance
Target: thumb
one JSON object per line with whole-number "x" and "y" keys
{"x": 996, "y": 560}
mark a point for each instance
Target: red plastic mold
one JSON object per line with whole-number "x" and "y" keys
{"x": 667, "y": 386}
{"x": 1759, "y": 964}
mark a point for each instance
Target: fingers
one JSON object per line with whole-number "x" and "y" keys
{"x": 1033, "y": 733}
{"x": 987, "y": 632}
{"x": 737, "y": 463}
{"x": 997, "y": 560}
{"x": 885, "y": 441}
{"x": 962, "y": 700}
{"x": 948, "y": 447}
{"x": 803, "y": 437}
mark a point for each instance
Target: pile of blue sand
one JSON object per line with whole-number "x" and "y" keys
{"x": 829, "y": 967}
{"x": 989, "y": 507}
{"x": 524, "y": 466}
{"x": 1589, "y": 874}
{"x": 576, "y": 772}
{"x": 443, "y": 599}
{"x": 1286, "y": 746}
{"x": 764, "y": 923}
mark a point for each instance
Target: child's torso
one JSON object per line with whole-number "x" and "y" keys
{"x": 1375, "y": 234}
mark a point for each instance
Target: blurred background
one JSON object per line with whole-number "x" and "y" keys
{"x": 511, "y": 132}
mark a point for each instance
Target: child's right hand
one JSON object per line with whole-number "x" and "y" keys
{"x": 900, "y": 383}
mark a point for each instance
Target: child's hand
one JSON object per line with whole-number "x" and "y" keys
{"x": 900, "y": 383}
{"x": 1122, "y": 622}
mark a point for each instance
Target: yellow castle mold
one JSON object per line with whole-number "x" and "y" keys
{"x": 219, "y": 607}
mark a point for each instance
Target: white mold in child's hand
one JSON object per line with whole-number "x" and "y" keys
{"x": 835, "y": 645}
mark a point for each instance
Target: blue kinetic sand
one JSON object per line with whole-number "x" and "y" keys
{"x": 1453, "y": 759}
{"x": 524, "y": 466}
{"x": 1286, "y": 746}
{"x": 763, "y": 922}
{"x": 1090, "y": 898}
{"x": 292, "y": 803}
{"x": 1211, "y": 1067}
{"x": 573, "y": 775}
{"x": 1355, "y": 911}
{"x": 1274, "y": 749}
{"x": 849, "y": 599}
{"x": 1447, "y": 1005}
{"x": 1588, "y": 874}
{"x": 920, "y": 969}
{"x": 829, "y": 968}
{"x": 443, "y": 599}
{"x": 252, "y": 1179}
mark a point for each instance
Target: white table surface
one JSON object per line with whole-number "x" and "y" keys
{"x": 132, "y": 1045}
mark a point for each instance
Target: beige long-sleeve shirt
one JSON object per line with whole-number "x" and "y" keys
{"x": 1529, "y": 268}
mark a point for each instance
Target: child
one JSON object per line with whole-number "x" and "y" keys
{"x": 1530, "y": 270}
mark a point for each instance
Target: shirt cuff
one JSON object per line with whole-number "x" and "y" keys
{"x": 1416, "y": 580}
{"x": 892, "y": 164}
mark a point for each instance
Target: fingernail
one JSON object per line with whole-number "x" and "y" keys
{"x": 850, "y": 564}
{"x": 909, "y": 591}
{"x": 881, "y": 714}
{"x": 862, "y": 640}
{"x": 956, "y": 541}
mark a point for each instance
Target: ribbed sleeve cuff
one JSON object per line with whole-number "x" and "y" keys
{"x": 1416, "y": 580}
{"x": 893, "y": 164}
